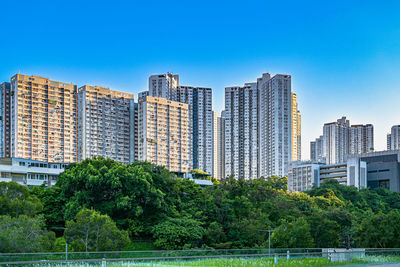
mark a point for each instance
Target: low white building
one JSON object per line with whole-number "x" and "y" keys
{"x": 303, "y": 176}
{"x": 30, "y": 172}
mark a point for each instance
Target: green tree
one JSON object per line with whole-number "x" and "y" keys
{"x": 293, "y": 235}
{"x": 379, "y": 230}
{"x": 215, "y": 234}
{"x": 24, "y": 234}
{"x": 91, "y": 231}
{"x": 127, "y": 193}
{"x": 15, "y": 200}
{"x": 53, "y": 205}
{"x": 324, "y": 232}
{"x": 175, "y": 233}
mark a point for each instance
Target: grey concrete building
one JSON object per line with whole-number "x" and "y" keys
{"x": 383, "y": 169}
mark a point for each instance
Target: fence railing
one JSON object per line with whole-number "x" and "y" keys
{"x": 237, "y": 257}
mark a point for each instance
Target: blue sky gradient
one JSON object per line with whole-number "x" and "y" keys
{"x": 344, "y": 56}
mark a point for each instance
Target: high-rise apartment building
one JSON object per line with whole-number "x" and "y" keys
{"x": 258, "y": 127}
{"x": 393, "y": 139}
{"x": 221, "y": 145}
{"x": 215, "y": 140}
{"x": 106, "y": 124}
{"x": 164, "y": 85}
{"x": 317, "y": 150}
{"x": 199, "y": 101}
{"x": 43, "y": 119}
{"x": 163, "y": 132}
{"x": 296, "y": 130}
{"x": 275, "y": 124}
{"x": 336, "y": 140}
{"x": 340, "y": 139}
{"x": 241, "y": 131}
{"x": 5, "y": 119}
{"x": 361, "y": 139}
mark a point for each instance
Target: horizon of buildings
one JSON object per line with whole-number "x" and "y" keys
{"x": 257, "y": 134}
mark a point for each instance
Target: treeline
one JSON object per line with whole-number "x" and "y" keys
{"x": 100, "y": 205}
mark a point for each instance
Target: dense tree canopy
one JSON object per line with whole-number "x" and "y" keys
{"x": 106, "y": 201}
{"x": 91, "y": 231}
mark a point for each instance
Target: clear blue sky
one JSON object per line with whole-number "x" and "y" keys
{"x": 344, "y": 56}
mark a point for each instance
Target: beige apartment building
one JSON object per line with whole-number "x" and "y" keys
{"x": 106, "y": 124}
{"x": 164, "y": 133}
{"x": 296, "y": 130}
{"x": 43, "y": 115}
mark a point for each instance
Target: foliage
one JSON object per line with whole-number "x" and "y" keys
{"x": 380, "y": 230}
{"x": 126, "y": 193}
{"x": 150, "y": 203}
{"x": 294, "y": 234}
{"x": 15, "y": 200}
{"x": 140, "y": 245}
{"x": 24, "y": 234}
{"x": 175, "y": 233}
{"x": 91, "y": 231}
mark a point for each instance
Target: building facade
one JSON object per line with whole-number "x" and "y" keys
{"x": 215, "y": 141}
{"x": 5, "y": 119}
{"x": 276, "y": 124}
{"x": 199, "y": 101}
{"x": 258, "y": 127}
{"x": 336, "y": 140}
{"x": 339, "y": 139}
{"x": 164, "y": 85}
{"x": 106, "y": 124}
{"x": 393, "y": 139}
{"x": 383, "y": 169}
{"x": 304, "y": 175}
{"x": 221, "y": 146}
{"x": 296, "y": 130}
{"x": 43, "y": 119}
{"x": 30, "y": 172}
{"x": 361, "y": 139}
{"x": 163, "y": 133}
{"x": 317, "y": 151}
{"x": 241, "y": 131}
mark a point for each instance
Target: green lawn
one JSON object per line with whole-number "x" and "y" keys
{"x": 239, "y": 262}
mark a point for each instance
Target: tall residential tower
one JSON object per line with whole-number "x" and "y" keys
{"x": 106, "y": 124}
{"x": 199, "y": 102}
{"x": 241, "y": 131}
{"x": 276, "y": 124}
{"x": 339, "y": 140}
{"x": 393, "y": 139}
{"x": 5, "y": 119}
{"x": 43, "y": 119}
{"x": 296, "y": 130}
{"x": 164, "y": 85}
{"x": 164, "y": 133}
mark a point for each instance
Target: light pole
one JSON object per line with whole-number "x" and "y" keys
{"x": 269, "y": 239}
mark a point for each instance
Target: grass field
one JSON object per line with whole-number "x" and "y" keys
{"x": 225, "y": 262}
